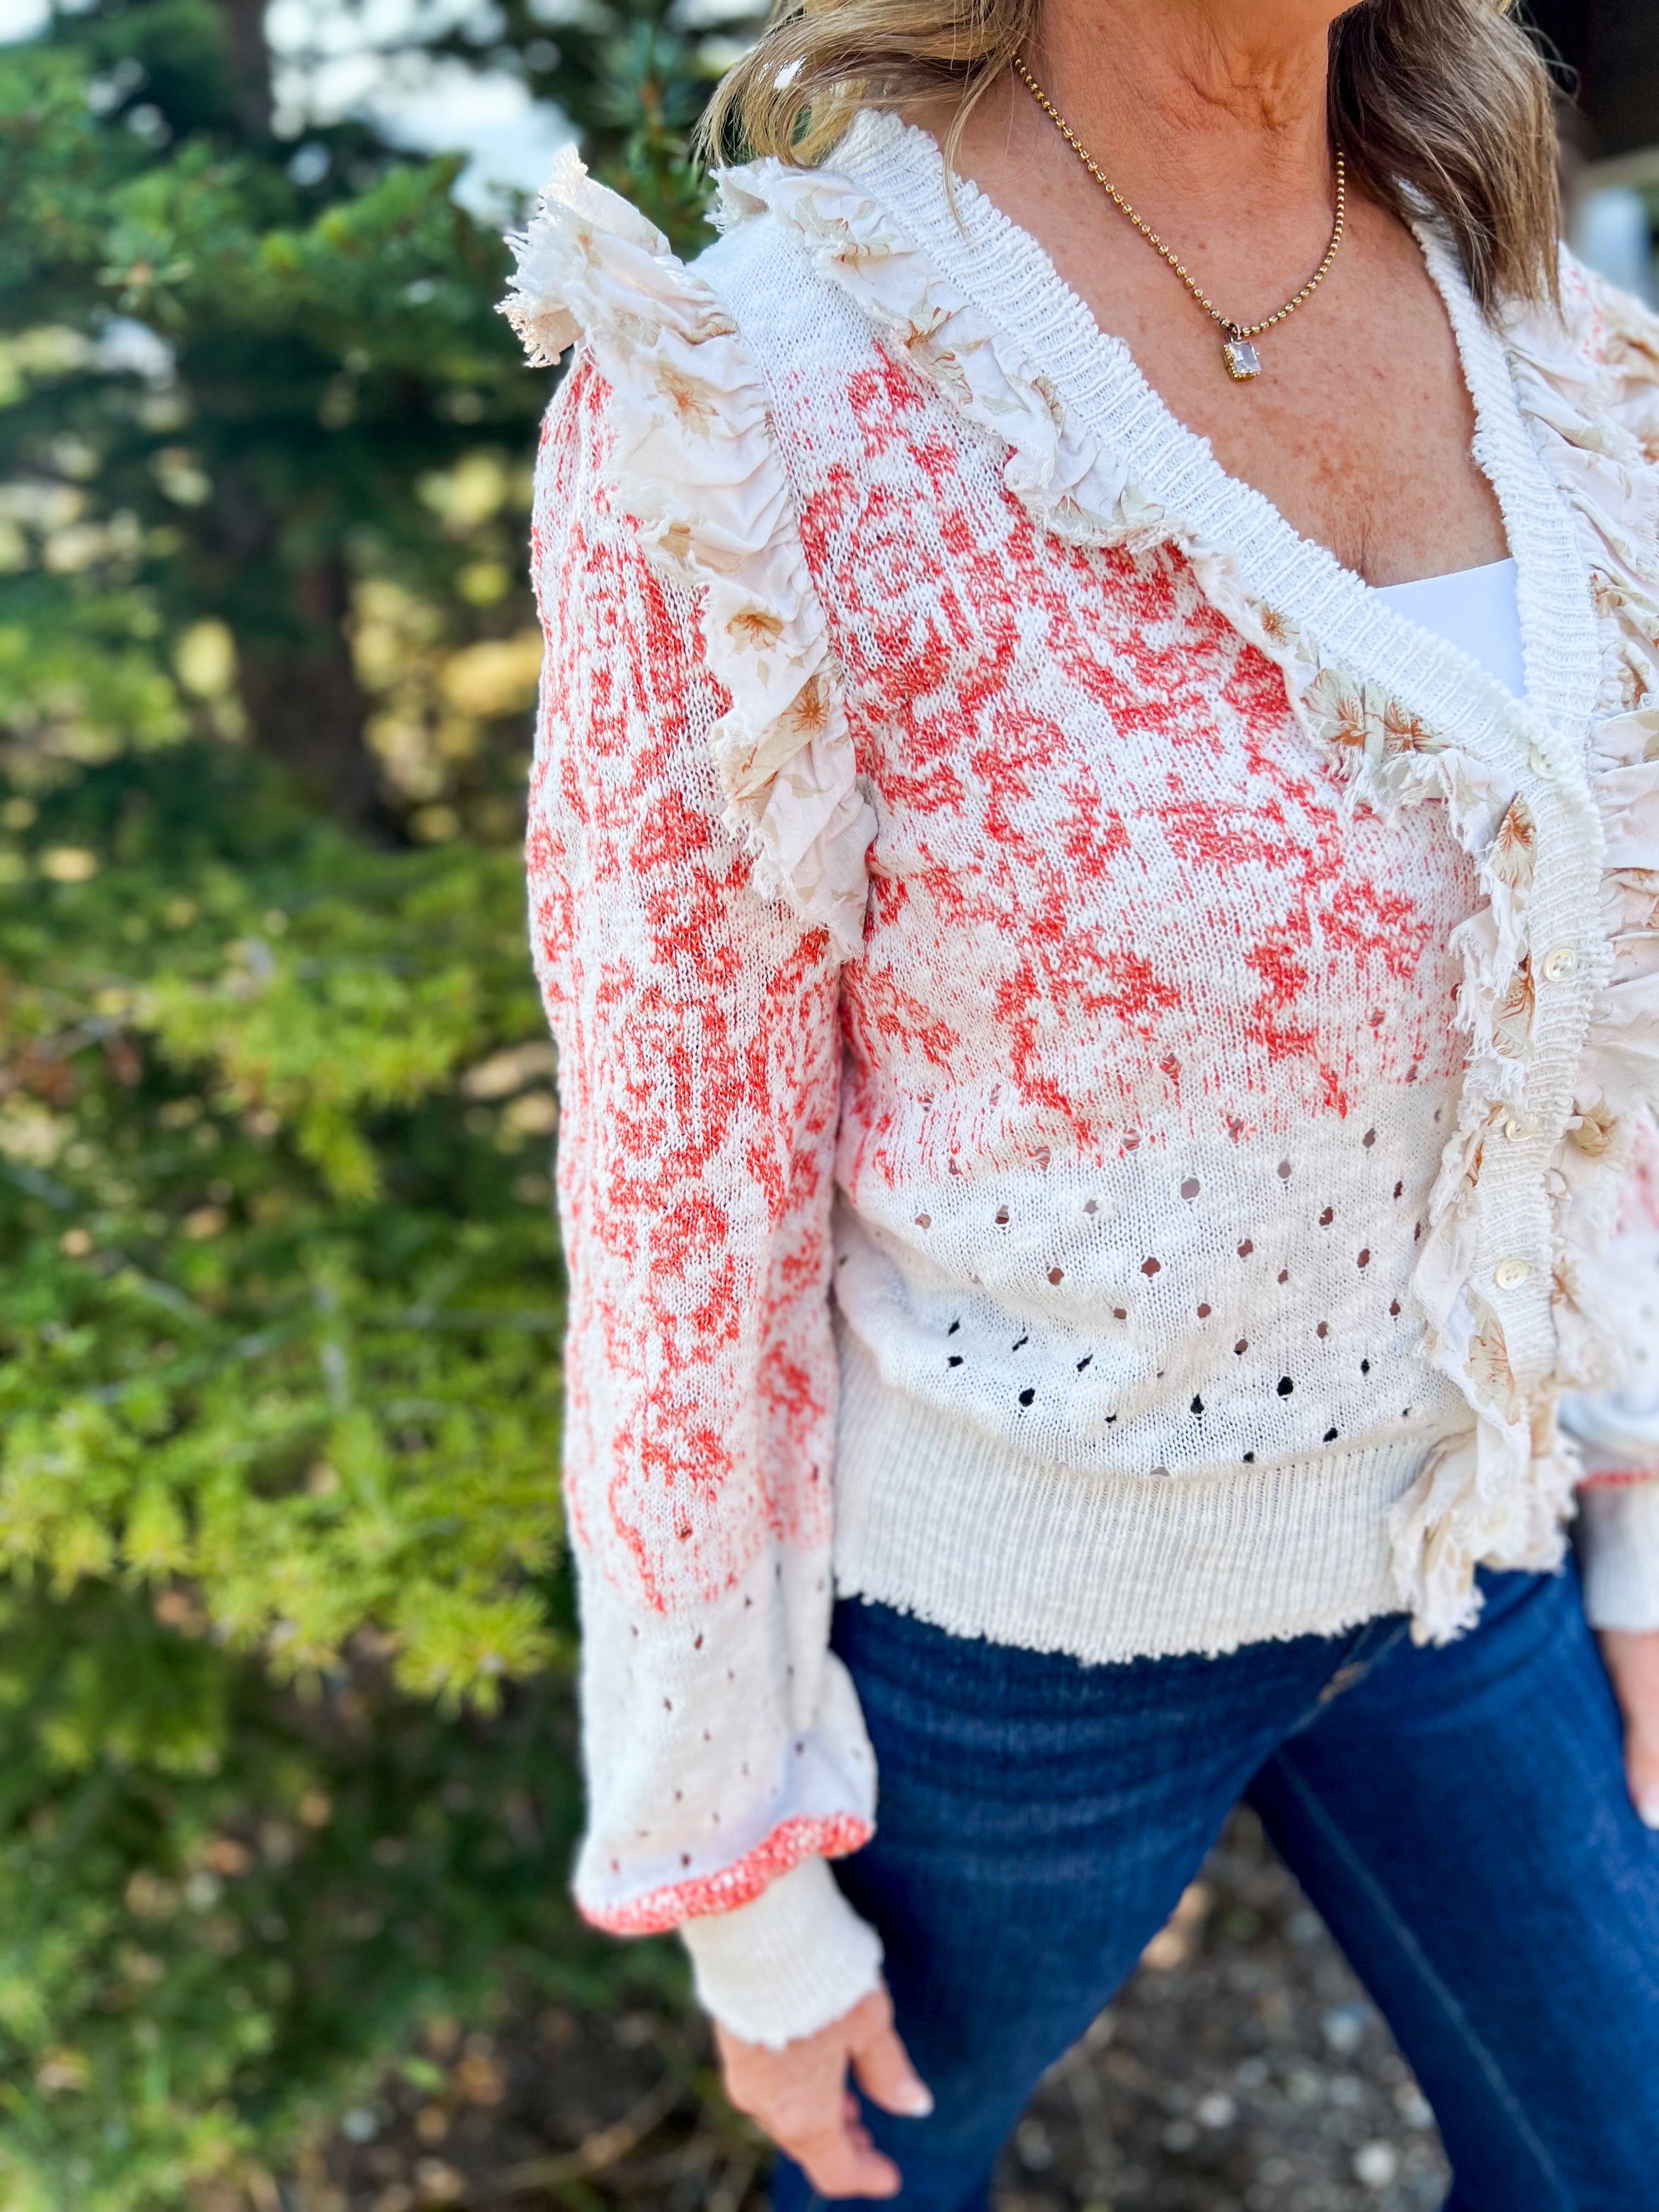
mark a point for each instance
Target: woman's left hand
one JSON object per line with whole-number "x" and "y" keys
{"x": 1632, "y": 1660}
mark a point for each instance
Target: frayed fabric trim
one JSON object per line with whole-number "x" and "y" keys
{"x": 699, "y": 473}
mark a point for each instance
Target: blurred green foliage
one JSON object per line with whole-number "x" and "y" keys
{"x": 285, "y": 1752}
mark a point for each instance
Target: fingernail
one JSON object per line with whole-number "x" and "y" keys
{"x": 1647, "y": 1805}
{"x": 916, "y": 2099}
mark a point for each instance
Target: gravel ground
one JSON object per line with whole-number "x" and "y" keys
{"x": 1241, "y": 2070}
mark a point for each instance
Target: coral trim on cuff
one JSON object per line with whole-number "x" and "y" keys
{"x": 789, "y": 1843}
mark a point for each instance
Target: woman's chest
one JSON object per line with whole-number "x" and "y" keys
{"x": 1360, "y": 426}
{"x": 1102, "y": 833}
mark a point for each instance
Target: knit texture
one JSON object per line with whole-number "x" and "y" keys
{"x": 784, "y": 1965}
{"x": 1200, "y": 1021}
{"x": 937, "y": 1517}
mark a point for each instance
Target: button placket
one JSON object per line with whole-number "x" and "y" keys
{"x": 1559, "y": 963}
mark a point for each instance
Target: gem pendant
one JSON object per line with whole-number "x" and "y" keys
{"x": 1242, "y": 360}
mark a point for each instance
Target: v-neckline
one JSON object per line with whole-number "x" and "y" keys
{"x": 1010, "y": 278}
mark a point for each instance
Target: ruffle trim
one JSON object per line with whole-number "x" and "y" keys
{"x": 1500, "y": 1494}
{"x": 1590, "y": 388}
{"x": 1589, "y": 385}
{"x": 699, "y": 473}
{"x": 831, "y": 1837}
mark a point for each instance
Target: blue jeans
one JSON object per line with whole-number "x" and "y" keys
{"x": 1459, "y": 1817}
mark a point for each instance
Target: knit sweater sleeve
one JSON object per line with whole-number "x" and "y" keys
{"x": 1595, "y": 383}
{"x": 1618, "y": 1428}
{"x": 696, "y": 842}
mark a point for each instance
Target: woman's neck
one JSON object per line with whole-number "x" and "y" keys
{"x": 1210, "y": 117}
{"x": 1203, "y": 103}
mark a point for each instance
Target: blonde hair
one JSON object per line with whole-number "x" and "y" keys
{"x": 1446, "y": 99}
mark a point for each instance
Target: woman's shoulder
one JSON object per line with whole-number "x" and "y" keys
{"x": 1587, "y": 375}
{"x": 590, "y": 265}
{"x": 1609, "y": 326}
{"x": 1597, "y": 353}
{"x": 682, "y": 435}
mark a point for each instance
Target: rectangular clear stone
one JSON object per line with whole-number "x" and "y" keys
{"x": 1241, "y": 358}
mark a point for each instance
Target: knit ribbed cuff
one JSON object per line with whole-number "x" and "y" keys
{"x": 1619, "y": 1553}
{"x": 788, "y": 1962}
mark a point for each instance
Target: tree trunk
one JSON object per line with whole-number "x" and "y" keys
{"x": 307, "y": 712}
{"x": 250, "y": 63}
{"x": 1613, "y": 47}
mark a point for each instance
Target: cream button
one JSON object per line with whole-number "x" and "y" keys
{"x": 1515, "y": 1131}
{"x": 1510, "y": 1274}
{"x": 1560, "y": 963}
{"x": 1538, "y": 764}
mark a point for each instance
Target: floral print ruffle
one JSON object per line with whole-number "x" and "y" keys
{"x": 700, "y": 474}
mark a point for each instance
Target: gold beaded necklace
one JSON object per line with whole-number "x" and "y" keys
{"x": 1242, "y": 360}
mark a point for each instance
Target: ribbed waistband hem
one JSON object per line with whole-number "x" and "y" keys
{"x": 960, "y": 1528}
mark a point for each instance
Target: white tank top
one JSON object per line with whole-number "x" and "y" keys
{"x": 1475, "y": 608}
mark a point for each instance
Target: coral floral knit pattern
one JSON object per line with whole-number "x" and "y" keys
{"x": 698, "y": 1099}
{"x": 698, "y": 1065}
{"x": 1195, "y": 1023}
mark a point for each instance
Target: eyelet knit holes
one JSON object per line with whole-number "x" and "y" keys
{"x": 954, "y": 1327}
{"x": 1327, "y": 1217}
{"x": 1364, "y": 1259}
{"x": 1399, "y": 1189}
{"x": 1091, "y": 1205}
{"x": 1204, "y": 1313}
{"x": 1197, "y": 1406}
{"x": 1002, "y": 1217}
{"x": 1241, "y": 1346}
{"x": 924, "y": 1221}
{"x": 1189, "y": 1189}
{"x": 1330, "y": 1436}
{"x": 1284, "y": 1274}
{"x": 1026, "y": 1396}
{"x": 1370, "y": 1137}
{"x": 1120, "y": 1313}
{"x": 1323, "y": 1330}
{"x": 1246, "y": 1249}
{"x": 1284, "y": 1170}
{"x": 1286, "y": 1386}
{"x": 1394, "y": 1309}
{"x": 1365, "y": 1366}
{"x": 1084, "y": 1362}
{"x": 1151, "y": 1266}
{"x": 1056, "y": 1274}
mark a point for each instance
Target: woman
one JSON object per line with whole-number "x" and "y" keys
{"x": 1092, "y": 850}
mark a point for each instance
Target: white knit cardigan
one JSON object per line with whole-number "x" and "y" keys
{"x": 1205, "y": 1025}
